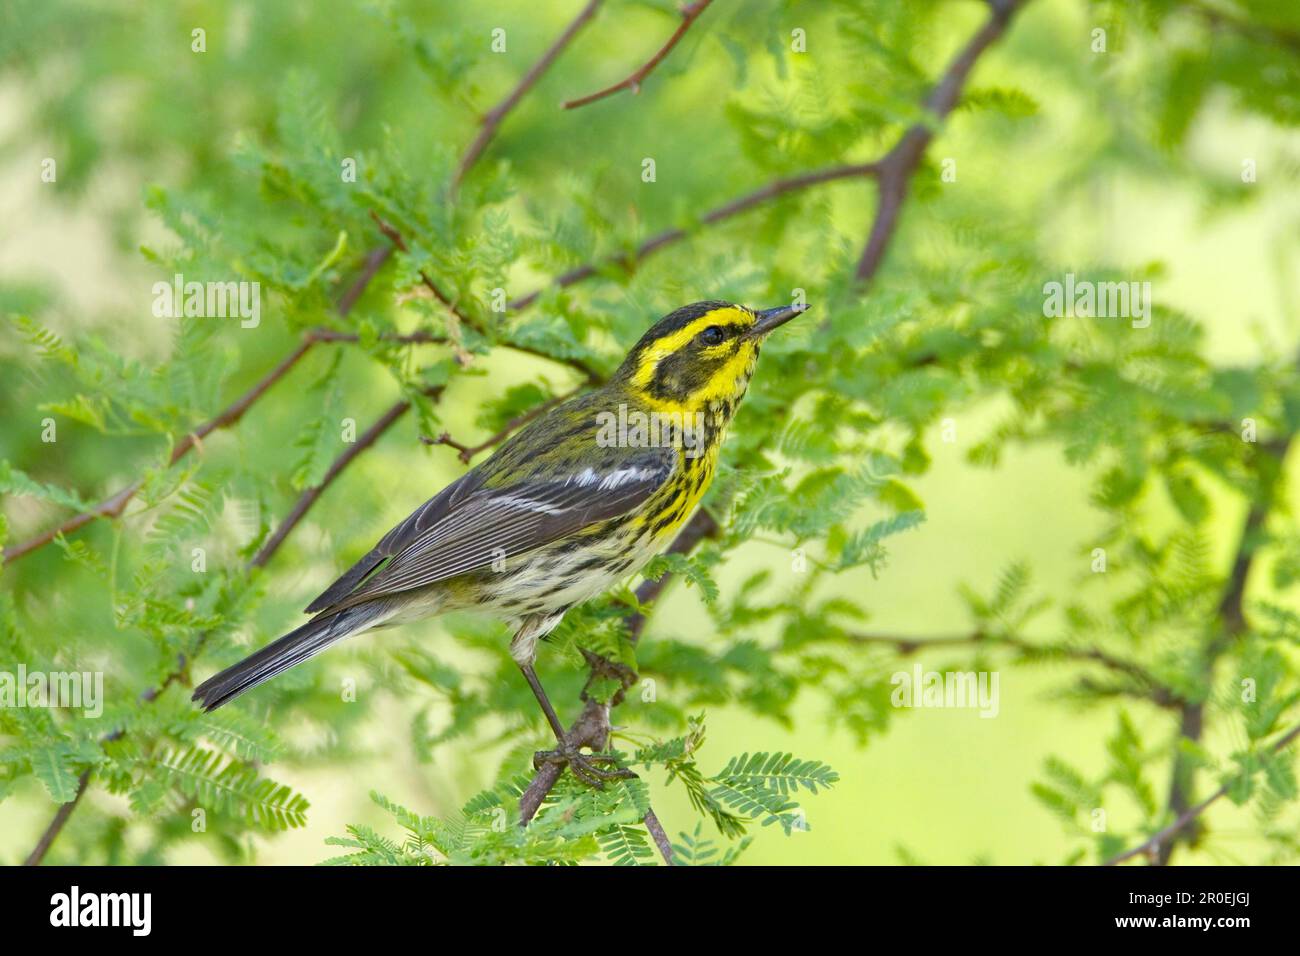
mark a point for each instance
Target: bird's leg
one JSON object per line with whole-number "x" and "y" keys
{"x": 539, "y": 692}
{"x": 568, "y": 751}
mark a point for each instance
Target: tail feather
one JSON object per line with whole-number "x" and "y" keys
{"x": 283, "y": 653}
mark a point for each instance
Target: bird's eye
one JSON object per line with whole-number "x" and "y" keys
{"x": 713, "y": 335}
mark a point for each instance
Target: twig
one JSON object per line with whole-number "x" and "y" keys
{"x": 661, "y": 839}
{"x": 404, "y": 338}
{"x": 700, "y": 526}
{"x": 462, "y": 357}
{"x": 310, "y": 496}
{"x": 113, "y": 506}
{"x": 58, "y": 823}
{"x": 589, "y": 730}
{"x": 492, "y": 119}
{"x": 690, "y": 13}
{"x": 1154, "y": 845}
{"x": 589, "y": 372}
{"x": 901, "y": 162}
{"x": 735, "y": 207}
{"x": 1232, "y": 619}
{"x": 375, "y": 260}
{"x": 466, "y": 452}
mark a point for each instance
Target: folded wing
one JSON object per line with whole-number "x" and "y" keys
{"x": 467, "y": 526}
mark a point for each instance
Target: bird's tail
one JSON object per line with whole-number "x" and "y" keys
{"x": 283, "y": 653}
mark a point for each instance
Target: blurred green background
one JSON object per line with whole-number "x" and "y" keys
{"x": 1115, "y": 160}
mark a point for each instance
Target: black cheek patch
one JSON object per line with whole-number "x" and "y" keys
{"x": 682, "y": 374}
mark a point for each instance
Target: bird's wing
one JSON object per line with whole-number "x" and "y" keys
{"x": 420, "y": 520}
{"x": 465, "y": 528}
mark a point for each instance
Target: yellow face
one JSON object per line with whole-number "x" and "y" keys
{"x": 699, "y": 358}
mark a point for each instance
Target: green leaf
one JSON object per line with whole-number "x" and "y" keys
{"x": 15, "y": 482}
{"x": 51, "y": 765}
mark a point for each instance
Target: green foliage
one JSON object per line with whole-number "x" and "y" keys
{"x": 229, "y": 786}
{"x": 230, "y": 166}
{"x": 577, "y": 824}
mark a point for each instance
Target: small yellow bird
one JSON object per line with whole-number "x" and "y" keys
{"x": 578, "y": 499}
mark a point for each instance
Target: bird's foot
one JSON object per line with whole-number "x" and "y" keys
{"x": 583, "y": 766}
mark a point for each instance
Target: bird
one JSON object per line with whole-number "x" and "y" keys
{"x": 580, "y": 498}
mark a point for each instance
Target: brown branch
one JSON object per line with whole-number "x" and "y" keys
{"x": 1231, "y": 619}
{"x": 1154, "y": 845}
{"x": 700, "y": 526}
{"x": 727, "y": 210}
{"x": 492, "y": 119}
{"x": 114, "y": 505}
{"x": 375, "y": 260}
{"x": 659, "y": 836}
{"x": 901, "y": 162}
{"x": 58, "y": 823}
{"x": 310, "y": 496}
{"x": 466, "y": 452}
{"x": 690, "y": 13}
{"x": 404, "y": 338}
{"x": 589, "y": 372}
{"x": 591, "y": 729}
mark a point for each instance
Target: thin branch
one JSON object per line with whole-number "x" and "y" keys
{"x": 466, "y": 452}
{"x": 404, "y": 338}
{"x": 690, "y": 13}
{"x": 492, "y": 119}
{"x": 114, "y": 505}
{"x": 591, "y": 729}
{"x": 462, "y": 357}
{"x": 589, "y": 372}
{"x": 310, "y": 496}
{"x": 700, "y": 526}
{"x": 727, "y": 210}
{"x": 661, "y": 839}
{"x": 1231, "y": 618}
{"x": 902, "y": 161}
{"x": 375, "y": 260}
{"x": 1154, "y": 845}
{"x": 58, "y": 823}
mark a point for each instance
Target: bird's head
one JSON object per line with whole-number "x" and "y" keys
{"x": 699, "y": 357}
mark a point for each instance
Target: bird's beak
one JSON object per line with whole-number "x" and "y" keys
{"x": 769, "y": 319}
